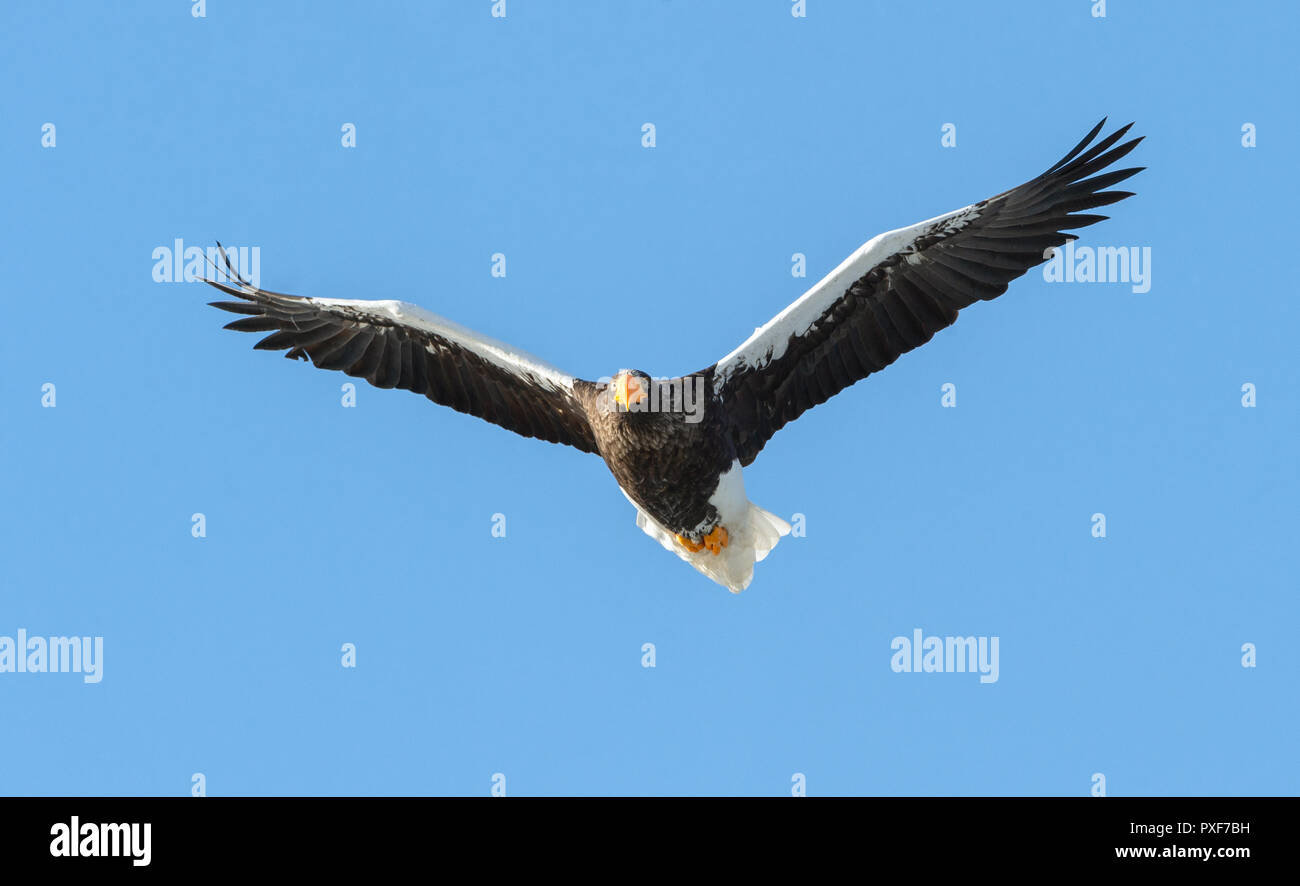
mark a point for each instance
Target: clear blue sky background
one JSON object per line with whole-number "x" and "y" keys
{"x": 522, "y": 655}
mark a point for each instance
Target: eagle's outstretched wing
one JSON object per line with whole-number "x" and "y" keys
{"x": 393, "y": 344}
{"x": 900, "y": 288}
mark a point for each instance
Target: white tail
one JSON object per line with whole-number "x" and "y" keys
{"x": 752, "y": 533}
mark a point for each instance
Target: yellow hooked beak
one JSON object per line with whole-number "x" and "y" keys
{"x": 627, "y": 391}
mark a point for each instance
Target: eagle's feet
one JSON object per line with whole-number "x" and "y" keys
{"x": 715, "y": 541}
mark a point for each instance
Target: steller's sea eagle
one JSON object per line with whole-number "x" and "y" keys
{"x": 677, "y": 446}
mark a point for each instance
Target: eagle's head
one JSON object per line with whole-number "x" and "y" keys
{"x": 631, "y": 389}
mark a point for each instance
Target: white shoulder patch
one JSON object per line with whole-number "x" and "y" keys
{"x": 515, "y": 361}
{"x": 769, "y": 341}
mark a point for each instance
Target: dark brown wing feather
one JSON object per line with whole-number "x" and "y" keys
{"x": 365, "y": 340}
{"x": 901, "y": 302}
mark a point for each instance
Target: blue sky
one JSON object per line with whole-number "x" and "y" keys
{"x": 522, "y": 655}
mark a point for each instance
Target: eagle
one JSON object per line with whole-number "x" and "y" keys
{"x": 677, "y": 445}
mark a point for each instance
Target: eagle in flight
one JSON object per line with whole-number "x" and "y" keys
{"x": 676, "y": 446}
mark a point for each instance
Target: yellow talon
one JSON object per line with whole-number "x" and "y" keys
{"x": 715, "y": 541}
